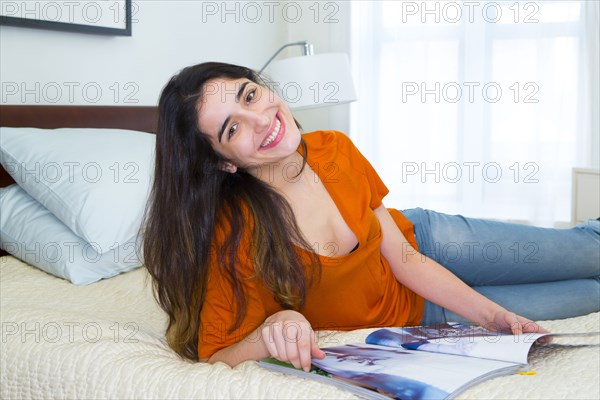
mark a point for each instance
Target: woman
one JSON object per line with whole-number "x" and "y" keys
{"x": 257, "y": 236}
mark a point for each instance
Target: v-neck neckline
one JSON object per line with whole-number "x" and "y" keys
{"x": 358, "y": 245}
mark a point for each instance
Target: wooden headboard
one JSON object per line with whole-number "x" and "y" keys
{"x": 51, "y": 117}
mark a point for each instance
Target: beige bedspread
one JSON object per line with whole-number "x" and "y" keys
{"x": 106, "y": 340}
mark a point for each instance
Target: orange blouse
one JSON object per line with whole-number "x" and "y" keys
{"x": 356, "y": 290}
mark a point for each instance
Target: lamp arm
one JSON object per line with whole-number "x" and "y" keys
{"x": 307, "y": 51}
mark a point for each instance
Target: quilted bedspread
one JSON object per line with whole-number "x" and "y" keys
{"x": 106, "y": 340}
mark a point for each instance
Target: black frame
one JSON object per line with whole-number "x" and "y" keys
{"x": 71, "y": 27}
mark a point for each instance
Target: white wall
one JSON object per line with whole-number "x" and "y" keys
{"x": 327, "y": 26}
{"x": 52, "y": 67}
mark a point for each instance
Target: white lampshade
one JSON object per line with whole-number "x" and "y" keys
{"x": 313, "y": 80}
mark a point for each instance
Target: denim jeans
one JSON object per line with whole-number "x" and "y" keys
{"x": 539, "y": 273}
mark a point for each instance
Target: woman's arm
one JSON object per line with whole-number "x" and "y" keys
{"x": 435, "y": 283}
{"x": 285, "y": 335}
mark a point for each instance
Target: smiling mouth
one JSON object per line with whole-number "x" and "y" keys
{"x": 274, "y": 134}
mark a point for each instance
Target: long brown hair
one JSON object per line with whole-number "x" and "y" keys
{"x": 191, "y": 195}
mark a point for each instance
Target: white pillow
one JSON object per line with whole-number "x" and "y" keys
{"x": 31, "y": 233}
{"x": 96, "y": 181}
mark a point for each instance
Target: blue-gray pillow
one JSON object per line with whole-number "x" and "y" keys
{"x": 33, "y": 234}
{"x": 96, "y": 181}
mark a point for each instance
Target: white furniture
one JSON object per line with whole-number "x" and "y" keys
{"x": 585, "y": 202}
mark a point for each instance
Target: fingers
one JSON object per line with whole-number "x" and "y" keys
{"x": 315, "y": 351}
{"x": 518, "y": 325}
{"x": 532, "y": 327}
{"x": 268, "y": 335}
{"x": 300, "y": 339}
{"x": 515, "y": 325}
{"x": 528, "y": 326}
{"x": 291, "y": 341}
{"x": 304, "y": 349}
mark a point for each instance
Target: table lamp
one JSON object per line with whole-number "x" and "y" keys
{"x": 311, "y": 80}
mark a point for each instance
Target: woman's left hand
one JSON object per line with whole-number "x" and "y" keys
{"x": 504, "y": 320}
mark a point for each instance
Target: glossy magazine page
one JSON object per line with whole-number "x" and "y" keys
{"x": 425, "y": 362}
{"x": 464, "y": 340}
{"x": 323, "y": 376}
{"x": 454, "y": 338}
{"x": 407, "y": 374}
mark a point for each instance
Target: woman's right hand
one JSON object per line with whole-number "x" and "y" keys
{"x": 289, "y": 337}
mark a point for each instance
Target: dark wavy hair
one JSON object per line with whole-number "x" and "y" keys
{"x": 192, "y": 196}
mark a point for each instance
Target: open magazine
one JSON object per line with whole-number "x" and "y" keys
{"x": 427, "y": 362}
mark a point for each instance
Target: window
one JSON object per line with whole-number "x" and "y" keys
{"x": 476, "y": 107}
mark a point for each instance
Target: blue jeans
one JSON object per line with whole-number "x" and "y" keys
{"x": 539, "y": 273}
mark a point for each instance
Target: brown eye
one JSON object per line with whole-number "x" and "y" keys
{"x": 250, "y": 95}
{"x": 232, "y": 131}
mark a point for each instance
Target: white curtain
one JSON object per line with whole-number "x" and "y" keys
{"x": 477, "y": 108}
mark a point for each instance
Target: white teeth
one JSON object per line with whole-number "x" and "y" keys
{"x": 273, "y": 135}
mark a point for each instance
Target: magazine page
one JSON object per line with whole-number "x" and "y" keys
{"x": 409, "y": 375}
{"x": 458, "y": 339}
{"x": 324, "y": 377}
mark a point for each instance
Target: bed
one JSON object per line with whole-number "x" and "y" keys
{"x": 105, "y": 339}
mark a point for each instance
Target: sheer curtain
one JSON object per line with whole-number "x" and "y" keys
{"x": 478, "y": 108}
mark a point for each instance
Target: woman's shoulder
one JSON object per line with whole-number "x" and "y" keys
{"x": 327, "y": 142}
{"x": 325, "y": 137}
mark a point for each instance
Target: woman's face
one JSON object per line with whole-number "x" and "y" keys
{"x": 247, "y": 124}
